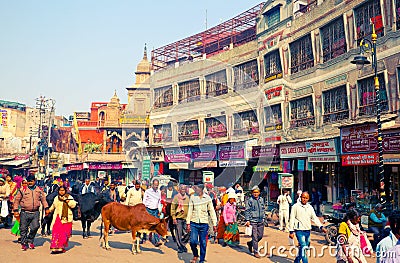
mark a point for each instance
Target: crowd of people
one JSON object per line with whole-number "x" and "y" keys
{"x": 198, "y": 214}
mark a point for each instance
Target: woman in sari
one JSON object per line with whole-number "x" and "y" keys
{"x": 231, "y": 234}
{"x": 62, "y": 220}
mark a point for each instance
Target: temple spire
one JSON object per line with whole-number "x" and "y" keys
{"x": 145, "y": 51}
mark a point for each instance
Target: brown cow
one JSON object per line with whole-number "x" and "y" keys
{"x": 133, "y": 218}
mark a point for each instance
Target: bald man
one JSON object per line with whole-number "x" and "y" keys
{"x": 300, "y": 224}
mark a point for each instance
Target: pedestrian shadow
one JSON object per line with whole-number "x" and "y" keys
{"x": 319, "y": 241}
{"x": 128, "y": 246}
{"x": 280, "y": 259}
{"x": 39, "y": 241}
{"x": 72, "y": 244}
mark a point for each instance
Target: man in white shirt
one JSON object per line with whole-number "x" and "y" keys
{"x": 152, "y": 201}
{"x": 284, "y": 201}
{"x": 300, "y": 223}
{"x": 390, "y": 241}
{"x": 87, "y": 187}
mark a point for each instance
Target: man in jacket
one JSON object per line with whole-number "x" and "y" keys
{"x": 179, "y": 211}
{"x": 29, "y": 201}
{"x": 254, "y": 214}
{"x": 377, "y": 222}
{"x": 300, "y": 224}
{"x": 87, "y": 187}
{"x": 112, "y": 193}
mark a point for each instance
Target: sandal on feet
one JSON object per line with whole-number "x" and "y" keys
{"x": 194, "y": 260}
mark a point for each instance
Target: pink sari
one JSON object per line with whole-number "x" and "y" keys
{"x": 61, "y": 234}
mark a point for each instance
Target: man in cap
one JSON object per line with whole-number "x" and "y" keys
{"x": 30, "y": 202}
{"x": 255, "y": 214}
{"x": 200, "y": 208}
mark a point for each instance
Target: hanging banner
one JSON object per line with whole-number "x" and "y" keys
{"x": 264, "y": 152}
{"x": 232, "y": 163}
{"x": 359, "y": 138}
{"x": 204, "y": 153}
{"x": 105, "y": 166}
{"x": 178, "y": 155}
{"x": 391, "y": 142}
{"x": 293, "y": 150}
{"x": 322, "y": 147}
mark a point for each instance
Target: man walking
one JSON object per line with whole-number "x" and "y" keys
{"x": 29, "y": 201}
{"x": 200, "y": 208}
{"x": 112, "y": 193}
{"x": 300, "y": 224}
{"x": 87, "y": 187}
{"x": 134, "y": 195}
{"x": 179, "y": 211}
{"x": 254, "y": 214}
{"x": 316, "y": 200}
{"x": 152, "y": 201}
{"x": 284, "y": 201}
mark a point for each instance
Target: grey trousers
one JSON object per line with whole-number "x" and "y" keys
{"x": 29, "y": 226}
{"x": 257, "y": 234}
{"x": 180, "y": 232}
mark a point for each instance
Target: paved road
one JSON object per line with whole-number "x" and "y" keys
{"x": 88, "y": 250}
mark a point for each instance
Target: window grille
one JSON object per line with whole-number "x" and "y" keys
{"x": 364, "y": 15}
{"x": 301, "y": 54}
{"x": 273, "y": 117}
{"x": 302, "y": 112}
{"x": 188, "y": 131}
{"x": 216, "y": 84}
{"x": 336, "y": 107}
{"x": 367, "y": 96}
{"x": 272, "y": 63}
{"x": 189, "y": 91}
{"x": 162, "y": 133}
{"x": 246, "y": 75}
{"x": 274, "y": 16}
{"x": 216, "y": 127}
{"x": 397, "y": 14}
{"x": 245, "y": 123}
{"x": 333, "y": 40}
{"x": 163, "y": 97}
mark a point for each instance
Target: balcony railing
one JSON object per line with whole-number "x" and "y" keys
{"x": 189, "y": 137}
{"x": 370, "y": 109}
{"x": 303, "y": 122}
{"x": 159, "y": 139}
{"x": 216, "y": 134}
{"x": 333, "y": 117}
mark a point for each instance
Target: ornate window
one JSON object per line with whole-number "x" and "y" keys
{"x": 273, "y": 66}
{"x": 273, "y": 117}
{"x": 216, "y": 84}
{"x": 216, "y": 127}
{"x": 301, "y": 54}
{"x": 302, "y": 112}
{"x": 336, "y": 107}
{"x": 163, "y": 97}
{"x": 245, "y": 123}
{"x": 273, "y": 16}
{"x": 188, "y": 131}
{"x": 367, "y": 96}
{"x": 397, "y": 14}
{"x": 162, "y": 133}
{"x": 333, "y": 40}
{"x": 189, "y": 91}
{"x": 364, "y": 15}
{"x": 245, "y": 75}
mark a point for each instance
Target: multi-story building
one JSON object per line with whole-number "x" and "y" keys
{"x": 277, "y": 82}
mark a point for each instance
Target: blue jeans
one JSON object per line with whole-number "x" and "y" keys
{"x": 198, "y": 235}
{"x": 156, "y": 237}
{"x": 303, "y": 237}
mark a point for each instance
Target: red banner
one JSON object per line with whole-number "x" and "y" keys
{"x": 360, "y": 159}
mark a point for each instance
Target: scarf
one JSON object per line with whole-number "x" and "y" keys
{"x": 355, "y": 229}
{"x": 181, "y": 200}
{"x": 64, "y": 213}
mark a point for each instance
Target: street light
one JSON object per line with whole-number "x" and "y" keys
{"x": 369, "y": 46}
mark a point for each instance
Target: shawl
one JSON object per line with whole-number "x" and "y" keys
{"x": 181, "y": 200}
{"x": 355, "y": 229}
{"x": 64, "y": 213}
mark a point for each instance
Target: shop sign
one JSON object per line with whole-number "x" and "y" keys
{"x": 323, "y": 147}
{"x": 266, "y": 168}
{"x": 360, "y": 159}
{"x": 24, "y": 157}
{"x": 391, "y": 158}
{"x": 101, "y": 174}
{"x": 203, "y": 164}
{"x": 391, "y": 142}
{"x": 178, "y": 155}
{"x": 128, "y": 166}
{"x": 273, "y": 92}
{"x": 232, "y": 163}
{"x": 273, "y": 139}
{"x": 146, "y": 165}
{"x": 208, "y": 177}
{"x": 75, "y": 167}
{"x": 204, "y": 153}
{"x": 276, "y": 76}
{"x": 105, "y": 166}
{"x": 264, "y": 151}
{"x": 4, "y": 118}
{"x": 273, "y": 127}
{"x": 359, "y": 138}
{"x": 156, "y": 154}
{"x": 178, "y": 166}
{"x": 323, "y": 159}
{"x": 294, "y": 150}
{"x": 285, "y": 180}
{"x": 231, "y": 151}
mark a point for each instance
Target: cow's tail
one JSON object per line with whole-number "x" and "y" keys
{"x": 101, "y": 230}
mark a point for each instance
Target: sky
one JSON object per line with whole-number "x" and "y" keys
{"x": 81, "y": 51}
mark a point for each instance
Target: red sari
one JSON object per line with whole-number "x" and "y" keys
{"x": 61, "y": 234}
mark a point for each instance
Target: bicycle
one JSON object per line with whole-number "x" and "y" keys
{"x": 271, "y": 214}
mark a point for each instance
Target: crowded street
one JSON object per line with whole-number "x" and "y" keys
{"x": 89, "y": 250}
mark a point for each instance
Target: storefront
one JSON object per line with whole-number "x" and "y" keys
{"x": 177, "y": 161}
{"x": 324, "y": 160}
{"x": 232, "y": 159}
{"x": 294, "y": 160}
{"x": 391, "y": 160}
{"x": 107, "y": 170}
